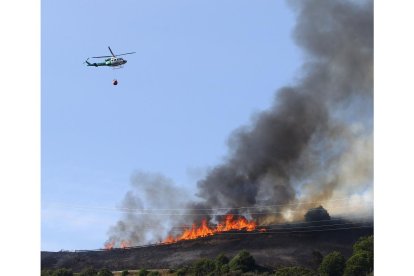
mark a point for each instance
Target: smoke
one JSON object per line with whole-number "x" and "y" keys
{"x": 150, "y": 193}
{"x": 315, "y": 143}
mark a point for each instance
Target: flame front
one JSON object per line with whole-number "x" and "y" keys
{"x": 229, "y": 224}
{"x": 109, "y": 245}
{"x": 240, "y": 224}
{"x": 125, "y": 244}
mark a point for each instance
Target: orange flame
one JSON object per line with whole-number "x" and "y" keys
{"x": 125, "y": 244}
{"x": 229, "y": 224}
{"x": 240, "y": 224}
{"x": 109, "y": 245}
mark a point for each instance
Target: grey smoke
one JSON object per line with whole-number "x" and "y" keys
{"x": 139, "y": 224}
{"x": 315, "y": 143}
{"x": 302, "y": 143}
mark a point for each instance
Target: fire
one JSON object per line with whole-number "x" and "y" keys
{"x": 125, "y": 244}
{"x": 111, "y": 244}
{"x": 241, "y": 224}
{"x": 228, "y": 224}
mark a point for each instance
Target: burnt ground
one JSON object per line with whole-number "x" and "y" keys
{"x": 281, "y": 248}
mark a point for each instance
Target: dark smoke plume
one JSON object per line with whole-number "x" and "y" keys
{"x": 314, "y": 144}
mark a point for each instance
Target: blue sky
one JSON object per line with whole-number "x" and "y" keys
{"x": 201, "y": 70}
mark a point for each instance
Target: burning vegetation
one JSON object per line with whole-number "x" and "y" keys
{"x": 111, "y": 244}
{"x": 228, "y": 224}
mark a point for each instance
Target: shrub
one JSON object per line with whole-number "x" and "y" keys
{"x": 295, "y": 271}
{"x": 46, "y": 272}
{"x": 105, "y": 272}
{"x": 222, "y": 270}
{"x": 243, "y": 261}
{"x": 317, "y": 258}
{"x": 89, "y": 271}
{"x": 62, "y": 272}
{"x": 222, "y": 260}
{"x": 154, "y": 273}
{"x": 143, "y": 272}
{"x": 204, "y": 267}
{"x": 358, "y": 264}
{"x": 181, "y": 272}
{"x": 125, "y": 273}
{"x": 332, "y": 265}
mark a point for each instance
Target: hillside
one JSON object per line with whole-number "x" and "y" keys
{"x": 269, "y": 249}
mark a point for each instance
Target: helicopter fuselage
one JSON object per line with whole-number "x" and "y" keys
{"x": 111, "y": 61}
{"x": 115, "y": 61}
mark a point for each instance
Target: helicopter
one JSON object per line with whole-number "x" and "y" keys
{"x": 111, "y": 61}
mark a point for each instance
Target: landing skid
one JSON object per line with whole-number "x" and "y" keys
{"x": 117, "y": 67}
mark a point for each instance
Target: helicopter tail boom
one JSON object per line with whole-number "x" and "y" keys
{"x": 91, "y": 64}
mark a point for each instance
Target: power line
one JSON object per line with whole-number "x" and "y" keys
{"x": 151, "y": 211}
{"x": 304, "y": 227}
{"x": 147, "y": 226}
{"x": 209, "y": 214}
{"x": 287, "y": 232}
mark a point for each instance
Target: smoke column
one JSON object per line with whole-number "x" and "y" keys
{"x": 315, "y": 143}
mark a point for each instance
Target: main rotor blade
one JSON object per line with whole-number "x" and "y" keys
{"x": 102, "y": 57}
{"x": 126, "y": 54}
{"x": 111, "y": 51}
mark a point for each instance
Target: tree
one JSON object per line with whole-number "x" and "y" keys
{"x": 295, "y": 271}
{"x": 332, "y": 264}
{"x": 362, "y": 260}
{"x": 125, "y": 273}
{"x": 365, "y": 244}
{"x": 105, "y": 272}
{"x": 242, "y": 261}
{"x": 317, "y": 214}
{"x": 358, "y": 264}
